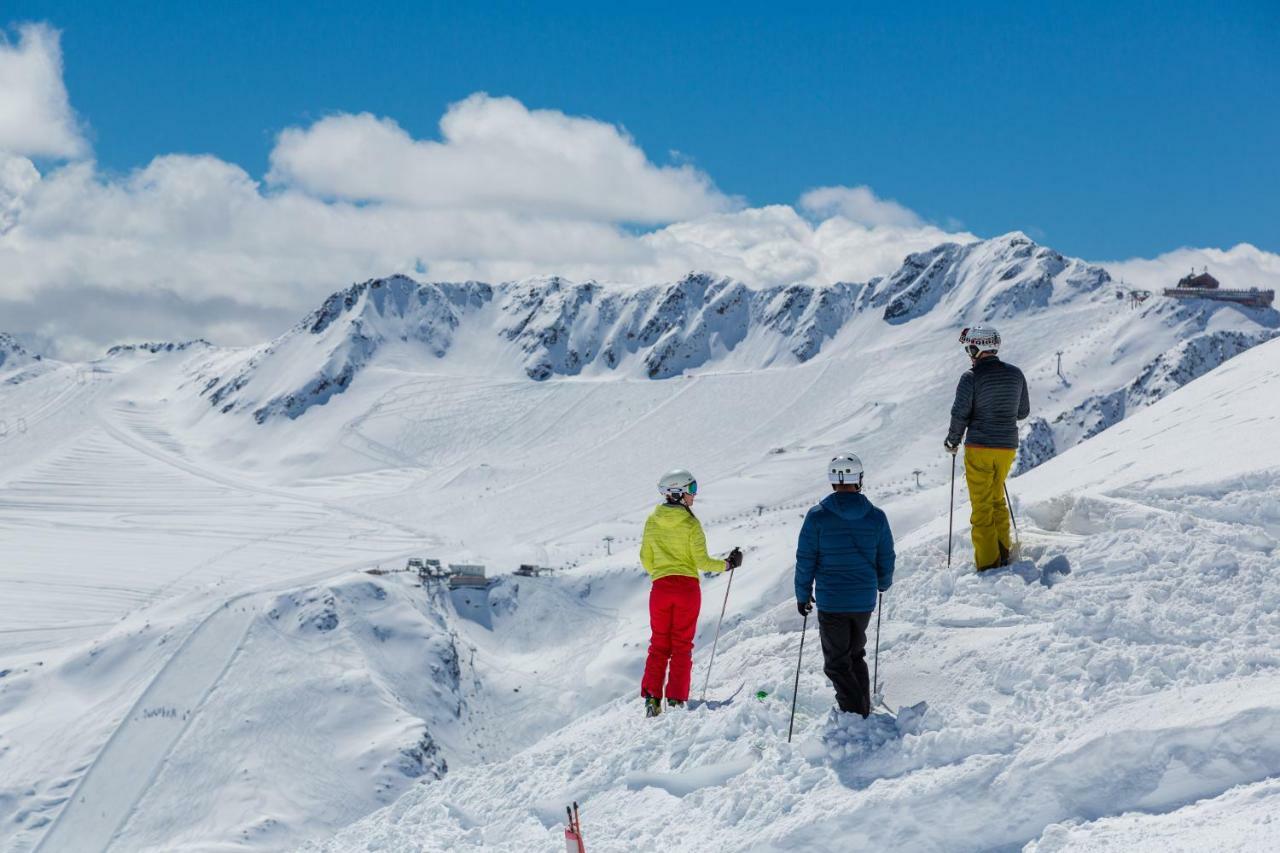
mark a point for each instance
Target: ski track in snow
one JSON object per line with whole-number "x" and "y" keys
{"x": 127, "y": 764}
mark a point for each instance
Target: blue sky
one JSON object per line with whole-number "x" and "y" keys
{"x": 1106, "y": 130}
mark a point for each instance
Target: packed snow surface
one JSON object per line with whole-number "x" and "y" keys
{"x": 194, "y": 655}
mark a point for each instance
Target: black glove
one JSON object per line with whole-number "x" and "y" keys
{"x": 735, "y": 559}
{"x": 951, "y": 448}
{"x": 804, "y": 607}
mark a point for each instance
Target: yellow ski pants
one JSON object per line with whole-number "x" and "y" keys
{"x": 985, "y": 468}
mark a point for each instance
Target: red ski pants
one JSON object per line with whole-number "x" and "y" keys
{"x": 674, "y": 602}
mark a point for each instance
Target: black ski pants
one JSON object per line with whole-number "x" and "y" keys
{"x": 844, "y": 655}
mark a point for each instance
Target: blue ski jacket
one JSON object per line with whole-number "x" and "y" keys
{"x": 846, "y": 547}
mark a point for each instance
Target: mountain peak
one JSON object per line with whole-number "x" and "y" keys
{"x": 1012, "y": 238}
{"x": 986, "y": 280}
{"x": 14, "y": 354}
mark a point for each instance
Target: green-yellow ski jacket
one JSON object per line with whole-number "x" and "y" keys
{"x": 674, "y": 544}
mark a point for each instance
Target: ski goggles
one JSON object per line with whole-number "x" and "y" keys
{"x": 692, "y": 488}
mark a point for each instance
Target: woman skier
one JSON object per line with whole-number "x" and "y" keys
{"x": 673, "y": 552}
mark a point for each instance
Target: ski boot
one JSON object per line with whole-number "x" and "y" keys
{"x": 675, "y": 703}
{"x": 652, "y": 706}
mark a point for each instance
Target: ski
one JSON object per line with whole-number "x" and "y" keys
{"x": 713, "y": 704}
{"x": 573, "y": 840}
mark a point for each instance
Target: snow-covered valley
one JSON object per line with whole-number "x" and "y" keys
{"x": 194, "y": 656}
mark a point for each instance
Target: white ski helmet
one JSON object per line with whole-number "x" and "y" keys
{"x": 678, "y": 482}
{"x": 845, "y": 470}
{"x": 980, "y": 339}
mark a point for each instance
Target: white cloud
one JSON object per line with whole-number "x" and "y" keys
{"x": 494, "y": 154}
{"x": 35, "y": 114}
{"x": 776, "y": 245}
{"x": 1242, "y": 266}
{"x": 18, "y": 176}
{"x": 859, "y": 205}
{"x": 195, "y": 246}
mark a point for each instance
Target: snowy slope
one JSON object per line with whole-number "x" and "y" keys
{"x": 143, "y": 525}
{"x": 1130, "y": 668}
{"x": 548, "y": 327}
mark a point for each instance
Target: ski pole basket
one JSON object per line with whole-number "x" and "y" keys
{"x": 573, "y": 842}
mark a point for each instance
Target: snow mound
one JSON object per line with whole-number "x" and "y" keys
{"x": 1243, "y": 819}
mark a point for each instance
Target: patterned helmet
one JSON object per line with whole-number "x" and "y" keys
{"x": 980, "y": 339}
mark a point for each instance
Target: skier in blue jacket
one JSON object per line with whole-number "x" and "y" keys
{"x": 846, "y": 548}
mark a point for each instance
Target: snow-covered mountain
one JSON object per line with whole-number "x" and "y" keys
{"x": 13, "y": 355}
{"x": 188, "y": 529}
{"x": 548, "y": 327}
{"x": 988, "y": 280}
{"x": 553, "y": 327}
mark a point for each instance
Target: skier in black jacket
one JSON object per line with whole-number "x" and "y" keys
{"x": 990, "y": 400}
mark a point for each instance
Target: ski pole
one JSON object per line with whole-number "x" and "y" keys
{"x": 951, "y": 516}
{"x": 795, "y": 691}
{"x": 875, "y": 678}
{"x": 1008, "y": 501}
{"x": 716, "y": 641}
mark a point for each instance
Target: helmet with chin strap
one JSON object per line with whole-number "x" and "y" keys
{"x": 845, "y": 470}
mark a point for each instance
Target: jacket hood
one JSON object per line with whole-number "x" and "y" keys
{"x": 850, "y": 505}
